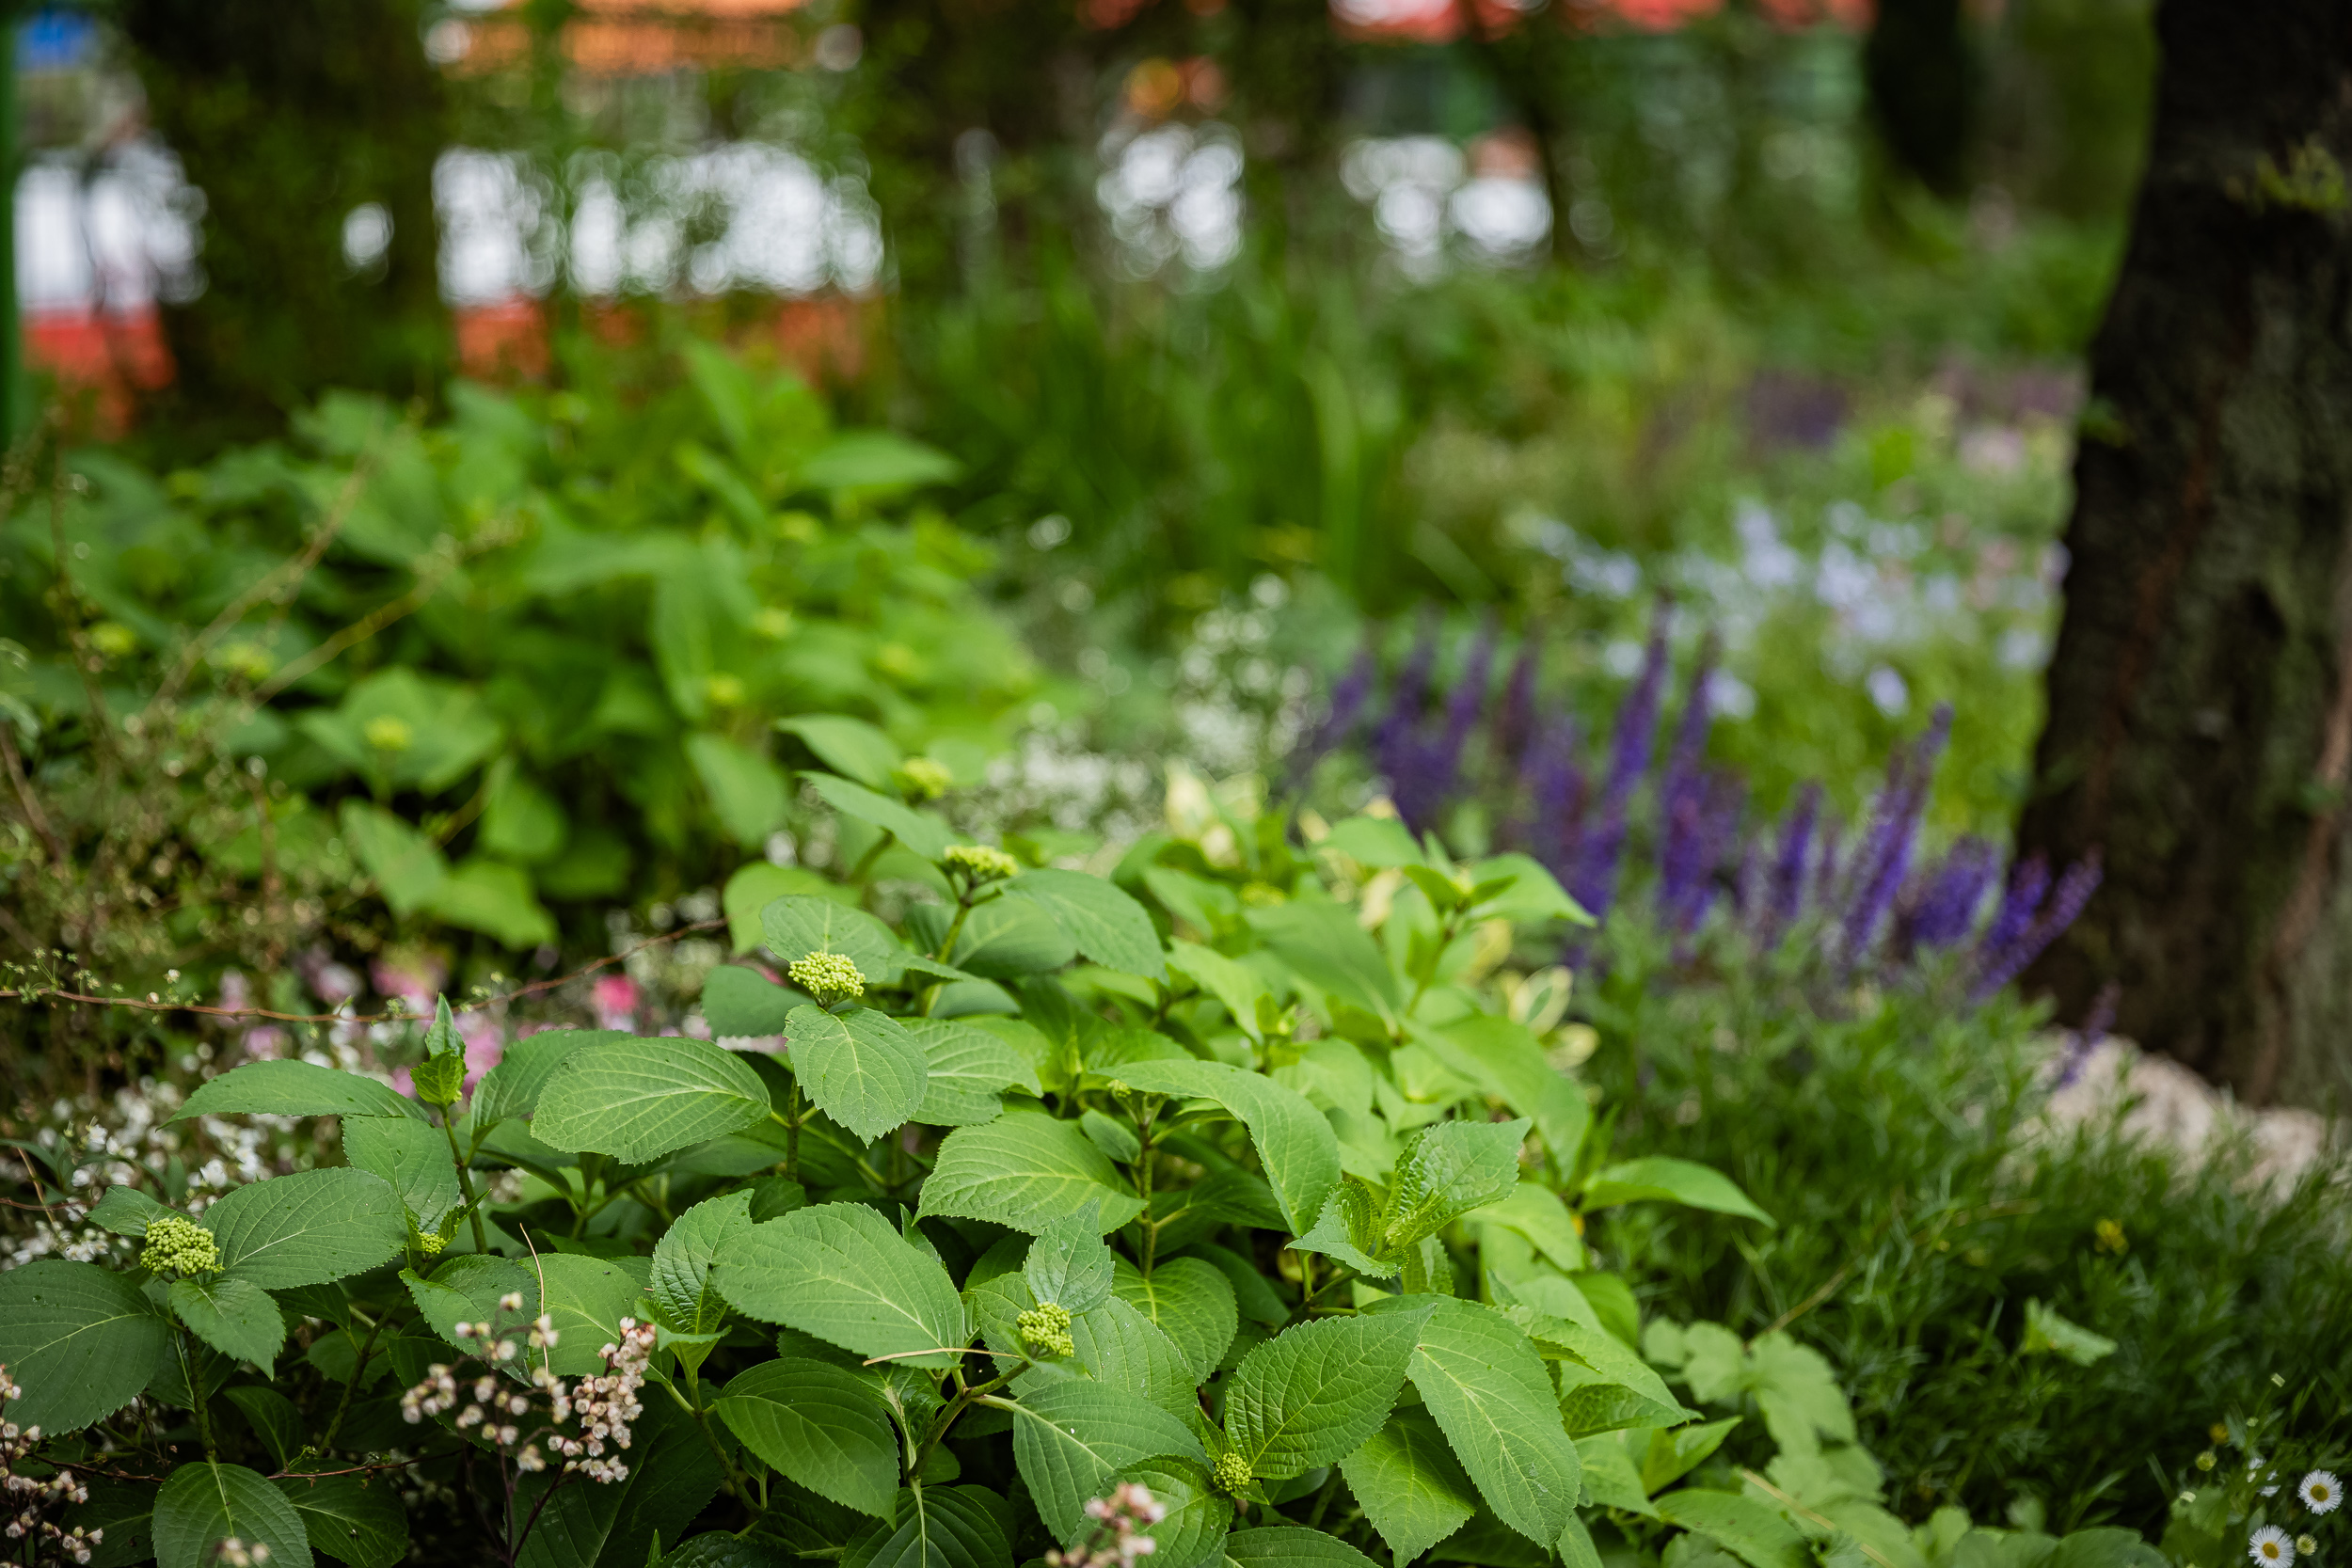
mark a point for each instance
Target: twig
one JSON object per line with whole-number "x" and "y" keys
{"x": 288, "y": 574}
{"x": 1795, "y": 1507}
{"x": 141, "y": 1003}
{"x": 31, "y": 802}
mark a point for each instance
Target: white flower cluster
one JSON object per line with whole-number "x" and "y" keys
{"x": 1117, "y": 1541}
{"x": 236, "y": 1553}
{"x": 578, "y": 1423}
{"x": 30, "y": 1497}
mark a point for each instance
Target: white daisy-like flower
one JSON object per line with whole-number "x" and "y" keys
{"x": 2270, "y": 1547}
{"x": 2321, "y": 1492}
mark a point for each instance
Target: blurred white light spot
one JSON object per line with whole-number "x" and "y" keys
{"x": 1888, "y": 689}
{"x": 367, "y": 235}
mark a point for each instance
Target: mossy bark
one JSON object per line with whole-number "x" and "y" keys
{"x": 2200, "y": 727}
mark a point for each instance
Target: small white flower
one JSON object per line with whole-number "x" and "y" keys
{"x": 2321, "y": 1492}
{"x": 2269, "y": 1547}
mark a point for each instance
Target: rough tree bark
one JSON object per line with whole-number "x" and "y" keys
{"x": 2199, "y": 728}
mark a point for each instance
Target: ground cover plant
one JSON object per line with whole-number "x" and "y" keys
{"x": 441, "y": 694}
{"x": 1260, "y": 1191}
{"x": 2035, "y": 1322}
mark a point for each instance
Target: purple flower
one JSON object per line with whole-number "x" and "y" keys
{"x": 1396, "y": 739}
{"x": 1785, "y": 894}
{"x": 1688, "y": 886}
{"x": 1422, "y": 788}
{"x": 2085, "y": 1039}
{"x": 2075, "y": 888}
{"x": 2027, "y": 881}
{"x": 1630, "y": 749}
{"x": 1943, "y": 907}
{"x": 1339, "y": 719}
{"x": 1884, "y": 858}
{"x": 1557, "y": 794}
{"x": 1514, "y": 728}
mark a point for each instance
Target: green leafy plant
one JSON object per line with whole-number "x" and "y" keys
{"x": 1050, "y": 1191}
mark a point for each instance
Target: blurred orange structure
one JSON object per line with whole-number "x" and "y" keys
{"x": 633, "y": 37}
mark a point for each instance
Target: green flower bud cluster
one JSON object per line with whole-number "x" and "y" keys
{"x": 180, "y": 1247}
{"x": 1045, "y": 1330}
{"x": 924, "y": 779}
{"x": 1231, "y": 1473}
{"x": 828, "y": 976}
{"x": 431, "y": 1245}
{"x": 980, "y": 863}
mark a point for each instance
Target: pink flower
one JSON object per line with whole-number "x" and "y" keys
{"x": 486, "y": 1047}
{"x": 266, "y": 1043}
{"x": 615, "y": 999}
{"x": 416, "y": 978}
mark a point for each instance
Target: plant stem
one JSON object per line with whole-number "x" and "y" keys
{"x": 358, "y": 1369}
{"x": 792, "y": 1130}
{"x": 464, "y": 1181}
{"x": 196, "y": 1399}
{"x": 727, "y": 1463}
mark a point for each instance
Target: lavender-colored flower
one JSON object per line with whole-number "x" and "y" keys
{"x": 2085, "y": 1039}
{"x": 1682, "y": 792}
{"x": 2027, "y": 881}
{"x": 1348, "y": 700}
{"x": 1689, "y": 887}
{"x": 1885, "y": 858}
{"x": 1397, "y": 736}
{"x": 1943, "y": 907}
{"x": 1784, "y": 898}
{"x": 2074, "y": 887}
{"x": 1514, "y": 727}
{"x": 1557, "y": 796}
{"x": 1825, "y": 871}
{"x": 1630, "y": 749}
{"x": 1422, "y": 787}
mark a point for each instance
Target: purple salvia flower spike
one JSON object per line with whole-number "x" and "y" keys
{"x": 1435, "y": 770}
{"x": 1397, "y": 738}
{"x": 2085, "y": 1039}
{"x": 1630, "y": 749}
{"x": 1348, "y": 699}
{"x": 2027, "y": 881}
{"x": 2073, "y": 890}
{"x": 1514, "y": 728}
{"x": 1880, "y": 871}
{"x": 1785, "y": 897}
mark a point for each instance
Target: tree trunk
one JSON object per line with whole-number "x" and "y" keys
{"x": 2200, "y": 729}
{"x": 288, "y": 114}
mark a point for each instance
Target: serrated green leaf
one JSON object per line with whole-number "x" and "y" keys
{"x": 233, "y": 1316}
{"x": 682, "y": 1286}
{"x": 839, "y": 1271}
{"x": 1665, "y": 1457}
{"x": 795, "y": 926}
{"x": 851, "y": 746}
{"x": 512, "y": 1088}
{"x": 1450, "y": 1169}
{"x": 308, "y": 1228}
{"x": 1232, "y": 983}
{"x": 820, "y": 1425}
{"x": 1482, "y": 1380}
{"x": 1681, "y": 1181}
{"x": 1313, "y": 1393}
{"x": 1071, "y": 1438}
{"x": 935, "y": 1526}
{"x": 587, "y": 1298}
{"x": 1503, "y": 1057}
{"x": 410, "y": 1157}
{"x": 858, "y": 1067}
{"x": 1294, "y": 1142}
{"x": 79, "y": 1339}
{"x": 290, "y": 1087}
{"x": 1609, "y": 1475}
{"x": 272, "y": 1418}
{"x": 356, "y": 1519}
{"x": 639, "y": 1099}
{"x": 922, "y": 831}
{"x": 465, "y": 1289}
{"x": 124, "y": 1513}
{"x": 1410, "y": 1484}
{"x": 1118, "y": 1345}
{"x": 1196, "y": 1517}
{"x": 1099, "y": 920}
{"x": 1748, "y": 1529}
{"x": 1068, "y": 1264}
{"x": 1291, "y": 1547}
{"x": 1192, "y": 1303}
{"x": 1323, "y": 945}
{"x": 1603, "y": 1359}
{"x": 1025, "y": 1169}
{"x": 740, "y": 1000}
{"x": 1349, "y": 1230}
{"x": 126, "y": 1212}
{"x": 969, "y": 1071}
{"x": 200, "y": 1505}
{"x": 1007, "y": 938}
